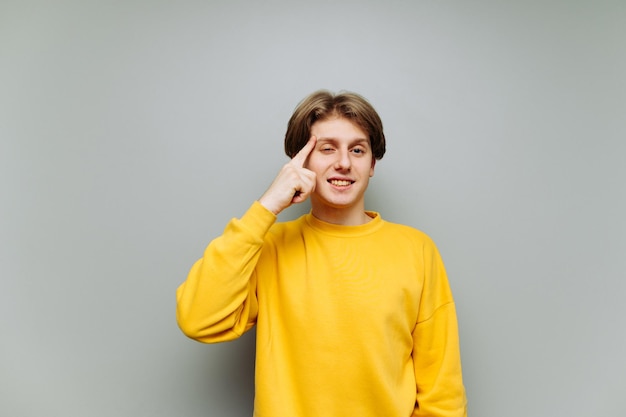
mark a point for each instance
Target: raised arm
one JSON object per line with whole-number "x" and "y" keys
{"x": 218, "y": 301}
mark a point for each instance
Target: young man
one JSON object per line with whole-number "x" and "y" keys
{"x": 354, "y": 314}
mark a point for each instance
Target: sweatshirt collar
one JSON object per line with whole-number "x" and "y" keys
{"x": 345, "y": 231}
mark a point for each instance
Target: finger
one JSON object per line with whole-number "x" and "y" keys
{"x": 301, "y": 156}
{"x": 300, "y": 196}
{"x": 307, "y": 187}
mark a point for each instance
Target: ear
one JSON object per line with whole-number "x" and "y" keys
{"x": 372, "y": 167}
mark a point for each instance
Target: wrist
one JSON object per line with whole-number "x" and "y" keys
{"x": 269, "y": 205}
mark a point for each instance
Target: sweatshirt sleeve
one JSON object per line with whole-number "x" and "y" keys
{"x": 436, "y": 355}
{"x": 218, "y": 301}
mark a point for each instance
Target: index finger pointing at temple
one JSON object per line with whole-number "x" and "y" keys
{"x": 303, "y": 154}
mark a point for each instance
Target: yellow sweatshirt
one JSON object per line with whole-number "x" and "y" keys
{"x": 351, "y": 320}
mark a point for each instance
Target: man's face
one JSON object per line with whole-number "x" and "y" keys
{"x": 343, "y": 162}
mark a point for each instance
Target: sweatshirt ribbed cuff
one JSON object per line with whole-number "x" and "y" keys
{"x": 258, "y": 220}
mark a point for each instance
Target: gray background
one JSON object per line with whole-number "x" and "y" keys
{"x": 131, "y": 132}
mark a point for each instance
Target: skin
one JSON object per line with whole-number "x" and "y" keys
{"x": 333, "y": 169}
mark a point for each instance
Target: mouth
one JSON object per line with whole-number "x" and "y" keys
{"x": 340, "y": 182}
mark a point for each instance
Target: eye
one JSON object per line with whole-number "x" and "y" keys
{"x": 326, "y": 149}
{"x": 358, "y": 151}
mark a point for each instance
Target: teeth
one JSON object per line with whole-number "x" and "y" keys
{"x": 340, "y": 183}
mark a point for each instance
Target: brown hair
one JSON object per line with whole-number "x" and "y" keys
{"x": 322, "y": 105}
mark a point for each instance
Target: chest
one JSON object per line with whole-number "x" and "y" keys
{"x": 335, "y": 284}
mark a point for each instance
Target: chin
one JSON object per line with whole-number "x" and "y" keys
{"x": 340, "y": 204}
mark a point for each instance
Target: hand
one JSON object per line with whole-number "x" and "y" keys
{"x": 293, "y": 184}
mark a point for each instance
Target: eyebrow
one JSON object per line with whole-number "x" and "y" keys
{"x": 351, "y": 142}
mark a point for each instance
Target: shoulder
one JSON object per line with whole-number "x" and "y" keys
{"x": 403, "y": 231}
{"x": 283, "y": 230}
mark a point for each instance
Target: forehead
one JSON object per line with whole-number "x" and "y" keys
{"x": 338, "y": 129}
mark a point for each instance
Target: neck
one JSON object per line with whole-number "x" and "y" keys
{"x": 353, "y": 216}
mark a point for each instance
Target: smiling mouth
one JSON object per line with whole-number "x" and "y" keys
{"x": 341, "y": 183}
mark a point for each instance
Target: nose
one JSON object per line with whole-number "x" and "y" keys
{"x": 343, "y": 160}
